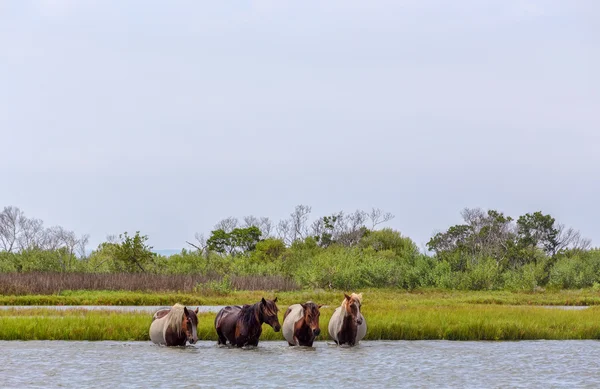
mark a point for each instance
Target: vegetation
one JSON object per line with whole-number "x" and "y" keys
{"x": 488, "y": 251}
{"x": 452, "y": 322}
{"x": 55, "y": 283}
{"x": 379, "y": 299}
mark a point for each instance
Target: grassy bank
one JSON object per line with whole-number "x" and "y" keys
{"x": 412, "y": 322}
{"x": 391, "y": 314}
{"x": 381, "y": 299}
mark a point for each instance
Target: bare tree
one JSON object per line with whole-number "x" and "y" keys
{"x": 377, "y": 216}
{"x": 352, "y": 228}
{"x": 200, "y": 243}
{"x": 113, "y": 239}
{"x": 227, "y": 224}
{"x": 82, "y": 244}
{"x": 32, "y": 234}
{"x": 250, "y": 221}
{"x": 11, "y": 224}
{"x": 284, "y": 231}
{"x": 266, "y": 226}
{"x": 317, "y": 228}
{"x": 569, "y": 238}
{"x": 299, "y": 222}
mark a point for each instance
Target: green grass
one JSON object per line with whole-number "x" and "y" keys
{"x": 390, "y": 313}
{"x": 379, "y": 298}
{"x": 412, "y": 322}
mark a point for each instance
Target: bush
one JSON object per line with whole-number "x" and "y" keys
{"x": 215, "y": 288}
{"x": 579, "y": 271}
{"x": 483, "y": 275}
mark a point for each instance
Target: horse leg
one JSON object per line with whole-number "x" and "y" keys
{"x": 221, "y": 339}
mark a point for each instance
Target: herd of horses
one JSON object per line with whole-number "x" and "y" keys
{"x": 241, "y": 326}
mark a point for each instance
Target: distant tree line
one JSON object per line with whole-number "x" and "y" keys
{"x": 488, "y": 250}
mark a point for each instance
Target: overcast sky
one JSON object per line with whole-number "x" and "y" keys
{"x": 165, "y": 117}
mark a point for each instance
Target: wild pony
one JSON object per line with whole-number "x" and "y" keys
{"x": 347, "y": 324}
{"x": 242, "y": 326}
{"x": 174, "y": 326}
{"x": 301, "y": 324}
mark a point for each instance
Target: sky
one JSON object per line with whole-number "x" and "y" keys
{"x": 165, "y": 117}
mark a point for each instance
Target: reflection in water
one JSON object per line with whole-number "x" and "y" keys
{"x": 274, "y": 364}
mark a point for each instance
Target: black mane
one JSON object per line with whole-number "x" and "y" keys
{"x": 248, "y": 313}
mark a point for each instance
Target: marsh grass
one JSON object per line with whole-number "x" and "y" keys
{"x": 381, "y": 299}
{"x": 450, "y": 322}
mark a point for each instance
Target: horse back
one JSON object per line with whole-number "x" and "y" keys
{"x": 291, "y": 317}
{"x": 226, "y": 320}
{"x": 161, "y": 313}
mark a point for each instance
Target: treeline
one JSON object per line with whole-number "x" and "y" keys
{"x": 344, "y": 251}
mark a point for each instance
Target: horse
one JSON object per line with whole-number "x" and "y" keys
{"x": 347, "y": 324}
{"x": 301, "y": 324}
{"x": 174, "y": 326}
{"x": 242, "y": 326}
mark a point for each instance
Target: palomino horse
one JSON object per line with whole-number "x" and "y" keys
{"x": 301, "y": 324}
{"x": 347, "y": 325}
{"x": 174, "y": 326}
{"x": 242, "y": 326}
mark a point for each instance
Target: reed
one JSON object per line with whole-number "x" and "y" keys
{"x": 457, "y": 322}
{"x": 40, "y": 283}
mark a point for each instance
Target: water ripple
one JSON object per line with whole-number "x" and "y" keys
{"x": 414, "y": 364}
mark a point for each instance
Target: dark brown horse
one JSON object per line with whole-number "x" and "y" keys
{"x": 301, "y": 324}
{"x": 174, "y": 326}
{"x": 242, "y": 326}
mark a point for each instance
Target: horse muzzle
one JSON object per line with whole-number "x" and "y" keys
{"x": 359, "y": 321}
{"x": 277, "y": 327}
{"x": 316, "y": 331}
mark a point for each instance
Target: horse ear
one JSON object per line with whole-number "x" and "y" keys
{"x": 263, "y": 301}
{"x": 319, "y": 306}
{"x": 275, "y": 300}
{"x": 197, "y": 308}
{"x": 347, "y": 297}
{"x": 185, "y": 310}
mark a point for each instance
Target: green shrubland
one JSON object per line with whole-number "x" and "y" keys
{"x": 489, "y": 251}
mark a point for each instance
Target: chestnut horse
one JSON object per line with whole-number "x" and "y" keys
{"x": 242, "y": 326}
{"x": 174, "y": 326}
{"x": 347, "y": 325}
{"x": 301, "y": 324}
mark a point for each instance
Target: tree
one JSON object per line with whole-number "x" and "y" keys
{"x": 133, "y": 254}
{"x": 484, "y": 234}
{"x": 239, "y": 240}
{"x": 536, "y": 230}
{"x": 377, "y": 216}
{"x": 12, "y": 220}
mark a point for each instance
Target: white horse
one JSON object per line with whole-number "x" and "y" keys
{"x": 301, "y": 324}
{"x": 174, "y": 326}
{"x": 347, "y": 324}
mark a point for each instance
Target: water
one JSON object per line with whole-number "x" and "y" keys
{"x": 414, "y": 364}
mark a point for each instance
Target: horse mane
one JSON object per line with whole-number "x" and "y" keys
{"x": 174, "y": 317}
{"x": 357, "y": 297}
{"x": 248, "y": 314}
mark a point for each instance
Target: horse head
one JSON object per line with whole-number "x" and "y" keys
{"x": 268, "y": 310}
{"x": 352, "y": 306}
{"x": 311, "y": 316}
{"x": 190, "y": 323}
